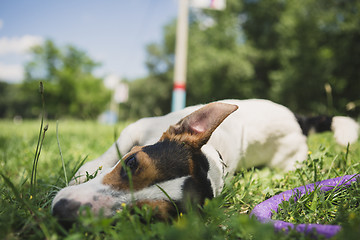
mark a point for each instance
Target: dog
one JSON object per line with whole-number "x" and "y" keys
{"x": 187, "y": 154}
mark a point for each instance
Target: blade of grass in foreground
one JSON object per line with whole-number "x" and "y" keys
{"x": 167, "y": 195}
{"x": 61, "y": 156}
{"x": 39, "y": 142}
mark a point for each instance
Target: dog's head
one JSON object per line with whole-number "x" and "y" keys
{"x": 173, "y": 170}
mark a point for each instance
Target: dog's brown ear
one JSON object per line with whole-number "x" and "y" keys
{"x": 196, "y": 128}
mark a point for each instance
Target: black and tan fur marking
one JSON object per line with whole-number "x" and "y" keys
{"x": 163, "y": 209}
{"x": 177, "y": 154}
{"x": 175, "y": 161}
{"x": 144, "y": 175}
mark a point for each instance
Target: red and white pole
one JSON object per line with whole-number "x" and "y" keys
{"x": 179, "y": 90}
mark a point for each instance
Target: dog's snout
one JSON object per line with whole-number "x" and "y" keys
{"x": 66, "y": 208}
{"x": 66, "y": 211}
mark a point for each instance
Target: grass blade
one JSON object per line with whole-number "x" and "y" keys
{"x": 39, "y": 142}
{"x": 167, "y": 195}
{"x": 61, "y": 156}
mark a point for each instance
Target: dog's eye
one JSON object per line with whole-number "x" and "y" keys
{"x": 131, "y": 163}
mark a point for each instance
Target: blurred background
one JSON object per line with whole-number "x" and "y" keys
{"x": 101, "y": 57}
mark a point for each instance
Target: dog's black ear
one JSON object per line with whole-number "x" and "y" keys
{"x": 196, "y": 128}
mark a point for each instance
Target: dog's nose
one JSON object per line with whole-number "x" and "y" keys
{"x": 66, "y": 208}
{"x": 66, "y": 211}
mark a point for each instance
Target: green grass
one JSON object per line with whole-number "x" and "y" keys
{"x": 26, "y": 215}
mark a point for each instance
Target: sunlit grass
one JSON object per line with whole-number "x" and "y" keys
{"x": 79, "y": 140}
{"x": 24, "y": 216}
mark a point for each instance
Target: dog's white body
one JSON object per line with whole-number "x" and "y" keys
{"x": 258, "y": 133}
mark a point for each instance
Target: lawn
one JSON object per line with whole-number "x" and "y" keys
{"x": 25, "y": 210}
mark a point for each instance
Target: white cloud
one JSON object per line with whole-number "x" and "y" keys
{"x": 11, "y": 73}
{"x": 18, "y": 45}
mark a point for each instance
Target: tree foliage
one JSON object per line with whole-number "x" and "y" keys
{"x": 71, "y": 89}
{"x": 286, "y": 51}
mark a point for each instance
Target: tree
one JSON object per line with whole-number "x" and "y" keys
{"x": 283, "y": 50}
{"x": 305, "y": 45}
{"x": 71, "y": 89}
{"x": 219, "y": 63}
{"x": 214, "y": 60}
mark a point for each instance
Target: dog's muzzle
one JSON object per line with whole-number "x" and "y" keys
{"x": 67, "y": 211}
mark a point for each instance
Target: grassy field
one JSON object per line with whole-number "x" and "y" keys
{"x": 25, "y": 211}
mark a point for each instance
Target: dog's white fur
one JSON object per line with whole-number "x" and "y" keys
{"x": 345, "y": 130}
{"x": 258, "y": 133}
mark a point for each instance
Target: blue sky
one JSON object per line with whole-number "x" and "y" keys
{"x": 114, "y": 32}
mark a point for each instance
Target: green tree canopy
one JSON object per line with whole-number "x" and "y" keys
{"x": 286, "y": 51}
{"x": 71, "y": 89}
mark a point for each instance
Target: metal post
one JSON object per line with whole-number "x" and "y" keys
{"x": 179, "y": 90}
